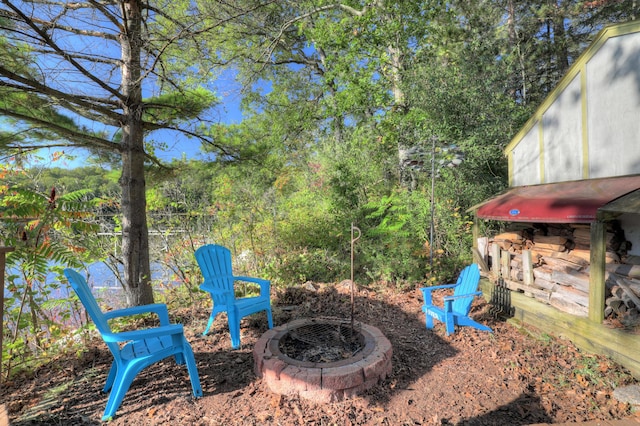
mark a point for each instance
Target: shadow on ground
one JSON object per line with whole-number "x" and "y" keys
{"x": 468, "y": 378}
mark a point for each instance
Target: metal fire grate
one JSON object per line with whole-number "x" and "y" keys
{"x": 326, "y": 340}
{"x": 322, "y": 341}
{"x": 501, "y": 300}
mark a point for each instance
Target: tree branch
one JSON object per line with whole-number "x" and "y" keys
{"x": 48, "y": 41}
{"x": 80, "y": 139}
{"x": 298, "y": 18}
{"x": 35, "y": 86}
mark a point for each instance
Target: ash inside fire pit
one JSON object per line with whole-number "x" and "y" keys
{"x": 322, "y": 342}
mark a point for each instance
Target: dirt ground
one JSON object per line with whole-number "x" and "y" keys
{"x": 512, "y": 376}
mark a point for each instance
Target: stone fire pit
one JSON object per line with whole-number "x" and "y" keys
{"x": 319, "y": 380}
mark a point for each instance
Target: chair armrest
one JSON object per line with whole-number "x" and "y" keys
{"x": 265, "y": 285}
{"x": 426, "y": 291}
{"x": 127, "y": 336}
{"x": 158, "y": 308}
{"x": 448, "y": 300}
{"x": 462, "y": 296}
{"x": 437, "y": 287}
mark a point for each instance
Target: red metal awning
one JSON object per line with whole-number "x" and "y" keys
{"x": 564, "y": 202}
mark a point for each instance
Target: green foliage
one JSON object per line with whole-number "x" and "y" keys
{"x": 333, "y": 95}
{"x": 393, "y": 249}
{"x": 316, "y": 265}
{"x": 173, "y": 107}
{"x": 48, "y": 233}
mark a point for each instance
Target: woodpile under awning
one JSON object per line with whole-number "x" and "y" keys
{"x": 551, "y": 233}
{"x": 563, "y": 202}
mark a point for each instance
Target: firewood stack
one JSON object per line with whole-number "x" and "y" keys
{"x": 623, "y": 287}
{"x": 560, "y": 256}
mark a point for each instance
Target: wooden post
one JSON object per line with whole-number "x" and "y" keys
{"x": 3, "y": 251}
{"x": 495, "y": 259}
{"x": 527, "y": 267}
{"x": 505, "y": 261}
{"x": 597, "y": 271}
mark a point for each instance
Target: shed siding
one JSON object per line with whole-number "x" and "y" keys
{"x": 562, "y": 135}
{"x": 589, "y": 127}
{"x": 613, "y": 87}
{"x": 526, "y": 159}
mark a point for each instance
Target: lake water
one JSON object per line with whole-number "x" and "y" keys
{"x": 103, "y": 281}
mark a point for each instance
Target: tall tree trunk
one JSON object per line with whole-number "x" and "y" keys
{"x": 337, "y": 123}
{"x": 517, "y": 83}
{"x": 406, "y": 176}
{"x": 560, "y": 43}
{"x": 135, "y": 236}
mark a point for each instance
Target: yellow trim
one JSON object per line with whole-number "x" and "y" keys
{"x": 541, "y": 151}
{"x": 585, "y": 122}
{"x": 510, "y": 166}
{"x": 601, "y": 38}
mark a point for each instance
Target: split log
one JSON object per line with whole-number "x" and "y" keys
{"x": 545, "y": 284}
{"x": 631, "y": 260}
{"x": 530, "y": 291}
{"x": 584, "y": 254}
{"x": 548, "y": 246}
{"x": 612, "y": 280}
{"x": 582, "y": 235}
{"x": 614, "y": 303}
{"x": 570, "y": 258}
{"x": 632, "y": 318}
{"x": 608, "y": 311}
{"x": 612, "y": 257}
{"x": 621, "y": 307}
{"x": 553, "y": 239}
{"x": 570, "y": 300}
{"x": 515, "y": 248}
{"x": 514, "y": 237}
{"x": 553, "y": 229}
{"x": 581, "y": 246}
{"x": 617, "y": 292}
{"x": 543, "y": 272}
{"x": 518, "y": 257}
{"x": 541, "y": 252}
{"x": 558, "y": 264}
{"x": 631, "y": 271}
{"x": 629, "y": 291}
{"x": 577, "y": 280}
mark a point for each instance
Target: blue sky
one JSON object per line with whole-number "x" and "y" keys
{"x": 228, "y": 112}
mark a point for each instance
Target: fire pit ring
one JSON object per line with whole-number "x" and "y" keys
{"x": 322, "y": 381}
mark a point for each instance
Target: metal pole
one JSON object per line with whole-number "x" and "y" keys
{"x": 353, "y": 240}
{"x": 433, "y": 185}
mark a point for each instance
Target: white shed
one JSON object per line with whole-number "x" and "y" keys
{"x": 577, "y": 162}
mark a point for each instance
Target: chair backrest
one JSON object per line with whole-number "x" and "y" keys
{"x": 79, "y": 285}
{"x": 467, "y": 283}
{"x": 215, "y": 265}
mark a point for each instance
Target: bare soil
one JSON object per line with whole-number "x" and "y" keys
{"x": 513, "y": 376}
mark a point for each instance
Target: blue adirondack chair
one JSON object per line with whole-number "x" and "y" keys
{"x": 134, "y": 350}
{"x": 456, "y": 308}
{"x": 215, "y": 264}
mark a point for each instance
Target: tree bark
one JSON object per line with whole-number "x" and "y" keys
{"x": 135, "y": 236}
